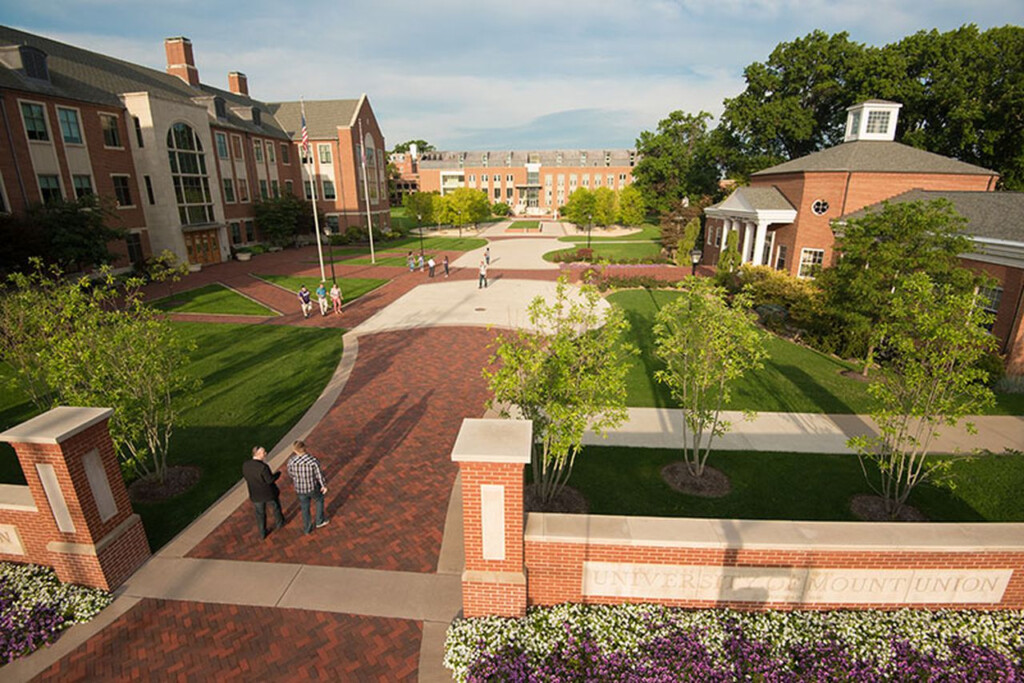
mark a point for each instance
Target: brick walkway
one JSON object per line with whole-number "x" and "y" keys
{"x": 193, "y": 641}
{"x": 385, "y": 447}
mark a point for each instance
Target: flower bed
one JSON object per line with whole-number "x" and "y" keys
{"x": 651, "y": 643}
{"x": 35, "y": 607}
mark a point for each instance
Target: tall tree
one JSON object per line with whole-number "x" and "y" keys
{"x": 604, "y": 206}
{"x": 567, "y": 375}
{"x": 580, "y": 208}
{"x": 279, "y": 219}
{"x": 936, "y": 337}
{"x": 420, "y": 205}
{"x": 705, "y": 345}
{"x": 687, "y": 242}
{"x": 676, "y": 161}
{"x": 467, "y": 205}
{"x": 877, "y": 250}
{"x": 631, "y": 207}
{"x": 73, "y": 234}
{"x": 421, "y": 146}
{"x": 730, "y": 259}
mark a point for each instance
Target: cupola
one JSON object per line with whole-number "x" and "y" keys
{"x": 872, "y": 120}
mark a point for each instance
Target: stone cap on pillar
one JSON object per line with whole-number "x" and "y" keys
{"x": 501, "y": 441}
{"x": 56, "y": 426}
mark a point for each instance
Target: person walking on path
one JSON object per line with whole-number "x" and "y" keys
{"x": 431, "y": 264}
{"x": 321, "y": 298}
{"x": 421, "y": 262}
{"x": 487, "y": 255}
{"x": 482, "y": 283}
{"x": 445, "y": 265}
{"x": 410, "y": 262}
{"x": 304, "y": 300}
{"x": 309, "y": 483}
{"x": 336, "y": 298}
{"x": 262, "y": 489}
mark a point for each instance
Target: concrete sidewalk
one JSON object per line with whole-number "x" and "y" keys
{"x": 802, "y": 432}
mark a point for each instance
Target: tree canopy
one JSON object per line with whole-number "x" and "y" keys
{"x": 676, "y": 161}
{"x": 421, "y": 146}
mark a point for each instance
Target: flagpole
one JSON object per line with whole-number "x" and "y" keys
{"x": 366, "y": 189}
{"x": 312, "y": 191}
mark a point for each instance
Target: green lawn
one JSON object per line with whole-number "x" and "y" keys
{"x": 524, "y": 226}
{"x": 403, "y": 245}
{"x": 213, "y": 298}
{"x": 614, "y": 251}
{"x": 794, "y": 378}
{"x": 624, "y": 481}
{"x": 390, "y": 258}
{"x": 648, "y": 233}
{"x": 351, "y": 287}
{"x": 15, "y": 408}
{"x": 257, "y": 383}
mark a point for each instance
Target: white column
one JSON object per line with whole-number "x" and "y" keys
{"x": 747, "y": 230}
{"x": 726, "y": 223}
{"x": 759, "y": 238}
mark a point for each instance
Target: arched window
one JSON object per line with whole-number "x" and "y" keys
{"x": 188, "y": 170}
{"x": 371, "y": 166}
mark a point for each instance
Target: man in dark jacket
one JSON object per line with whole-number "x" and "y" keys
{"x": 262, "y": 489}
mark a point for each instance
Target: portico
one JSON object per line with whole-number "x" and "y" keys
{"x": 750, "y": 211}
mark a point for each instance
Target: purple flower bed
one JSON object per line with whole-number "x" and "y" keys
{"x": 650, "y": 644}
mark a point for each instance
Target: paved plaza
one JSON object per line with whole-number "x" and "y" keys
{"x": 369, "y": 596}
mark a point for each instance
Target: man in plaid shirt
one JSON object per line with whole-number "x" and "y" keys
{"x": 309, "y": 483}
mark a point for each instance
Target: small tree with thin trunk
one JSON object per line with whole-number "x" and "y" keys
{"x": 706, "y": 344}
{"x": 687, "y": 241}
{"x": 567, "y": 375}
{"x": 934, "y": 339}
{"x": 730, "y": 259}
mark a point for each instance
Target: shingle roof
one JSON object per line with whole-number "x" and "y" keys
{"x": 877, "y": 156}
{"x": 322, "y": 117}
{"x": 765, "y": 198}
{"x": 997, "y": 215}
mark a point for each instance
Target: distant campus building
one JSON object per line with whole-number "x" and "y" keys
{"x": 185, "y": 161}
{"x": 786, "y": 217}
{"x": 532, "y": 183}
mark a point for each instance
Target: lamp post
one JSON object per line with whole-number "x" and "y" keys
{"x": 419, "y": 228}
{"x": 590, "y": 225}
{"x": 330, "y": 249}
{"x": 695, "y": 259}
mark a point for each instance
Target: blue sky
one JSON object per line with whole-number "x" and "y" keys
{"x": 491, "y": 75}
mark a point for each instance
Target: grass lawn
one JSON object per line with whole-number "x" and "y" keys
{"x": 794, "y": 378}
{"x": 615, "y": 251}
{"x": 351, "y": 287}
{"x": 213, "y": 298}
{"x": 801, "y": 486}
{"x": 523, "y": 226}
{"x": 391, "y": 258}
{"x": 403, "y": 245}
{"x": 648, "y": 233}
{"x": 257, "y": 383}
{"x": 15, "y": 408}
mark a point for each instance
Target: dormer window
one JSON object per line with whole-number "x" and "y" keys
{"x": 878, "y": 122}
{"x": 219, "y": 109}
{"x": 34, "y": 62}
{"x": 256, "y": 117}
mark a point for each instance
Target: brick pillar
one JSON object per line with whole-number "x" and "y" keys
{"x": 491, "y": 456}
{"x": 92, "y": 536}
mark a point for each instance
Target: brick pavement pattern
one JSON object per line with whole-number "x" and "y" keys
{"x": 192, "y": 641}
{"x": 385, "y": 448}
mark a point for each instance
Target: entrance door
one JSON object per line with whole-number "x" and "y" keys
{"x": 203, "y": 246}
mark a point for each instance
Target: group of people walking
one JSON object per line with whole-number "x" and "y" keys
{"x": 307, "y": 478}
{"x": 431, "y": 264}
{"x": 306, "y": 299}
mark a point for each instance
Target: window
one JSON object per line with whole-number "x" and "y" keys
{"x": 990, "y": 298}
{"x": 328, "y": 189}
{"x": 810, "y": 262}
{"x": 472, "y": 177}
{"x": 243, "y": 190}
{"x": 780, "y": 262}
{"x": 83, "y": 185}
{"x": 483, "y": 178}
{"x": 35, "y": 121}
{"x": 264, "y": 192}
{"x": 285, "y": 158}
{"x": 188, "y": 172}
{"x": 138, "y": 131}
{"x": 333, "y": 226}
{"x": 275, "y": 189}
{"x": 308, "y": 188}
{"x": 257, "y": 150}
{"x": 122, "y": 191}
{"x": 229, "y": 191}
{"x": 134, "y": 242}
{"x": 878, "y": 122}
{"x": 497, "y": 192}
{"x": 149, "y": 189}
{"x": 819, "y": 207}
{"x": 586, "y": 181}
{"x": 622, "y": 179}
{"x": 324, "y": 152}
{"x": 558, "y": 159}
{"x": 288, "y": 187}
{"x": 610, "y": 180}
{"x": 236, "y": 232}
{"x": 270, "y": 153}
{"x": 508, "y": 193}
{"x": 222, "y": 145}
{"x": 111, "y": 135}
{"x": 719, "y": 234}
{"x": 236, "y": 146}
{"x": 69, "y": 126}
{"x": 49, "y": 188}
{"x": 250, "y": 232}
{"x": 597, "y": 181}
{"x": 854, "y": 124}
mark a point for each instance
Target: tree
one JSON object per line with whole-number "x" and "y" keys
{"x": 876, "y": 250}
{"x": 421, "y": 146}
{"x": 729, "y": 260}
{"x": 632, "y": 209}
{"x": 687, "y": 242}
{"x": 420, "y": 205}
{"x": 935, "y": 337}
{"x": 580, "y": 208}
{"x": 165, "y": 267}
{"x": 705, "y": 344}
{"x": 280, "y": 218}
{"x": 604, "y": 206}
{"x": 104, "y": 347}
{"x": 500, "y": 209}
{"x": 466, "y": 205}
{"x": 567, "y": 375}
{"x": 676, "y": 161}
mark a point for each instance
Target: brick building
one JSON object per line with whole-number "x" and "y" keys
{"x": 786, "y": 216}
{"x": 185, "y": 161}
{"x": 531, "y": 183}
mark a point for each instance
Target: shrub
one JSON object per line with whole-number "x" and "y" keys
{"x": 766, "y": 286}
{"x": 356, "y": 233}
{"x": 338, "y": 239}
{"x": 500, "y": 209}
{"x": 258, "y": 249}
{"x": 633, "y": 282}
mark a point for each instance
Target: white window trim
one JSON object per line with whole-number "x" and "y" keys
{"x": 81, "y": 128}
{"x": 46, "y": 122}
{"x": 234, "y": 191}
{"x": 60, "y": 185}
{"x": 123, "y": 175}
{"x": 241, "y": 147}
{"x": 117, "y": 127}
{"x": 227, "y": 144}
{"x": 800, "y": 267}
{"x": 319, "y": 153}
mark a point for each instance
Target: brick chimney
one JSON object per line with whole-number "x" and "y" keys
{"x": 238, "y": 83}
{"x": 180, "y": 61}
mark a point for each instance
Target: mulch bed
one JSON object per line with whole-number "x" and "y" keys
{"x": 856, "y": 375}
{"x": 179, "y": 479}
{"x": 872, "y": 509}
{"x": 712, "y": 484}
{"x": 568, "y": 501}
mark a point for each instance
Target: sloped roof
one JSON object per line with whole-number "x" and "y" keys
{"x": 996, "y": 215}
{"x": 875, "y": 156}
{"x": 755, "y": 199}
{"x": 322, "y": 117}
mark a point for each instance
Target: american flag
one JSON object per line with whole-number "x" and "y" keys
{"x": 305, "y": 133}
